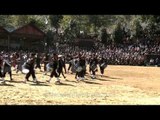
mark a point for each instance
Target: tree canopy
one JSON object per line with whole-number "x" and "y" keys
{"x": 70, "y": 26}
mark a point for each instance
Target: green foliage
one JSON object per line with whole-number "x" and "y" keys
{"x": 104, "y": 36}
{"x": 139, "y": 30}
{"x": 118, "y": 34}
{"x": 71, "y": 32}
{"x": 49, "y": 37}
{"x": 55, "y": 20}
{"x": 6, "y": 20}
{"x": 134, "y": 25}
{"x": 97, "y": 21}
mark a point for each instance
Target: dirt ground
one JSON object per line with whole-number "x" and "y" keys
{"x": 121, "y": 85}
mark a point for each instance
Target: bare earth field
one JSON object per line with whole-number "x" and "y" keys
{"x": 121, "y": 85}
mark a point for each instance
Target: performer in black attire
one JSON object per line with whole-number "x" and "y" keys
{"x": 54, "y": 69}
{"x": 89, "y": 61}
{"x": 6, "y": 67}
{"x": 38, "y": 61}
{"x": 30, "y": 63}
{"x": 102, "y": 65}
{"x": 45, "y": 61}
{"x": 60, "y": 66}
{"x": 64, "y": 64}
{"x": 76, "y": 66}
{"x": 82, "y": 64}
{"x": 70, "y": 63}
{"x": 93, "y": 66}
{"x": 20, "y": 62}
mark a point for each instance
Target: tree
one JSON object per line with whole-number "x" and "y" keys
{"x": 153, "y": 25}
{"x": 139, "y": 30}
{"x": 49, "y": 37}
{"x": 55, "y": 24}
{"x": 96, "y": 22}
{"x": 71, "y": 32}
{"x": 55, "y": 21}
{"x": 118, "y": 34}
{"x": 22, "y": 19}
{"x": 7, "y": 20}
{"x": 104, "y": 36}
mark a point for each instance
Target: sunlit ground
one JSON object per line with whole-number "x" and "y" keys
{"x": 121, "y": 85}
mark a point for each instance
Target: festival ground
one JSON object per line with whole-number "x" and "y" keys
{"x": 121, "y": 85}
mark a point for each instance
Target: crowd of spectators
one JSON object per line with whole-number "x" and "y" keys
{"x": 137, "y": 53}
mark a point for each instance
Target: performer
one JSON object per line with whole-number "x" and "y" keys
{"x": 20, "y": 62}
{"x": 70, "y": 63}
{"x": 38, "y": 62}
{"x": 45, "y": 61}
{"x": 73, "y": 67}
{"x": 60, "y": 66}
{"x": 82, "y": 64}
{"x": 89, "y": 61}
{"x": 64, "y": 64}
{"x": 102, "y": 65}
{"x": 93, "y": 66}
{"x": 13, "y": 59}
{"x": 6, "y": 67}
{"x": 30, "y": 63}
{"x": 54, "y": 69}
{"x": 76, "y": 66}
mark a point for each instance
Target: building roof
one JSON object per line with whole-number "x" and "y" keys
{"x": 3, "y": 30}
{"x": 10, "y": 29}
{"x": 29, "y": 29}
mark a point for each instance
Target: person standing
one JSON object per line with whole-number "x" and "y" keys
{"x": 38, "y": 62}
{"x": 54, "y": 69}
{"x": 60, "y": 66}
{"x": 82, "y": 64}
{"x": 6, "y": 67}
{"x": 70, "y": 63}
{"x": 45, "y": 61}
{"x": 93, "y": 66}
{"x": 102, "y": 65}
{"x": 20, "y": 62}
{"x": 30, "y": 63}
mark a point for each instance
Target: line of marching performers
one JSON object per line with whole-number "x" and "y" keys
{"x": 54, "y": 64}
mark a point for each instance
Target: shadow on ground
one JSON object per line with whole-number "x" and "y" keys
{"x": 71, "y": 81}
{"x": 6, "y": 84}
{"x": 89, "y": 82}
{"x": 66, "y": 84}
{"x": 13, "y": 81}
{"x": 105, "y": 76}
{"x": 39, "y": 83}
{"x": 102, "y": 79}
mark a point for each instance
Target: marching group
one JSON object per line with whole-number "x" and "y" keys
{"x": 78, "y": 59}
{"x": 26, "y": 63}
